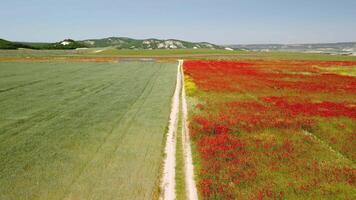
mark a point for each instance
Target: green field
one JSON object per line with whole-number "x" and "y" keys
{"x": 83, "y": 130}
{"x": 113, "y": 52}
{"x": 201, "y": 54}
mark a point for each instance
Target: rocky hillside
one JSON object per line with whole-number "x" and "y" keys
{"x": 129, "y": 43}
{"x": 116, "y": 42}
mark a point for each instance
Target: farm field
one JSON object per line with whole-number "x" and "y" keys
{"x": 273, "y": 129}
{"x": 75, "y": 125}
{"x": 197, "y": 54}
{"x": 83, "y": 130}
{"x": 113, "y": 52}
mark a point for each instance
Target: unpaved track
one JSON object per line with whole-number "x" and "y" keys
{"x": 168, "y": 180}
{"x": 192, "y": 193}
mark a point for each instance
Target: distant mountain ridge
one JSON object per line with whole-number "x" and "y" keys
{"x": 115, "y": 42}
{"x": 340, "y": 47}
{"x": 152, "y": 43}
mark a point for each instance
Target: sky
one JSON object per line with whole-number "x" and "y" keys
{"x": 216, "y": 21}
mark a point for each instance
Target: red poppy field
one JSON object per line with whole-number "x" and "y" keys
{"x": 273, "y": 129}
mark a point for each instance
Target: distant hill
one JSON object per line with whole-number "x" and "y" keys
{"x": 4, "y": 44}
{"x": 116, "y": 42}
{"x": 65, "y": 44}
{"x": 129, "y": 43}
{"x": 340, "y": 48}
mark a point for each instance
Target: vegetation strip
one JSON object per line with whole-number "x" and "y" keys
{"x": 180, "y": 172}
{"x": 192, "y": 193}
{"x": 168, "y": 181}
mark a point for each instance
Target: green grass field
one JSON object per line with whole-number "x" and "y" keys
{"x": 83, "y": 130}
{"x": 200, "y": 54}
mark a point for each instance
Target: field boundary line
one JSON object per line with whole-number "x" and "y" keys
{"x": 168, "y": 186}
{"x": 191, "y": 188}
{"x": 326, "y": 145}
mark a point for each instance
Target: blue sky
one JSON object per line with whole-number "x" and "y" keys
{"x": 217, "y": 21}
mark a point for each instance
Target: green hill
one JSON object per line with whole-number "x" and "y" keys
{"x": 117, "y": 42}
{"x": 65, "y": 44}
{"x": 129, "y": 43}
{"x": 4, "y": 44}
